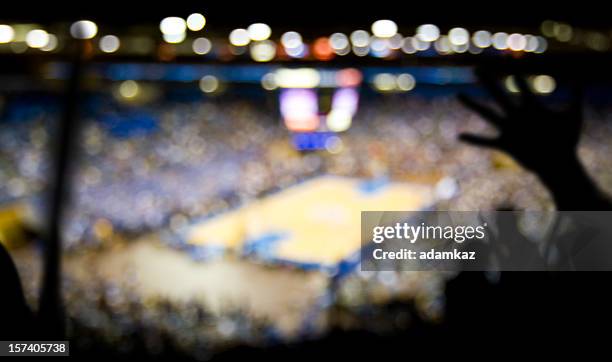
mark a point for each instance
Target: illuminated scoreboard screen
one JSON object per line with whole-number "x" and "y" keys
{"x": 312, "y": 125}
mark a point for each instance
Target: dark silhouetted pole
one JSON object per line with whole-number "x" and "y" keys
{"x": 51, "y": 313}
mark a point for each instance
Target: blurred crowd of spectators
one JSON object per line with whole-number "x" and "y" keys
{"x": 201, "y": 158}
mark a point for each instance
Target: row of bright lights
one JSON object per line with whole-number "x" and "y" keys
{"x": 131, "y": 89}
{"x": 385, "y": 38}
{"x": 41, "y": 39}
{"x": 174, "y": 28}
{"x": 383, "y": 82}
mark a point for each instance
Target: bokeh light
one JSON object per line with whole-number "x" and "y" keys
{"x": 419, "y": 44}
{"x": 322, "y": 50}
{"x": 563, "y": 32}
{"x": 201, "y": 46}
{"x": 109, "y": 43}
{"x": 291, "y": 40}
{"x": 7, "y": 33}
{"x": 129, "y": 89}
{"x": 543, "y": 84}
{"x": 259, "y": 31}
{"x": 360, "y": 38}
{"x": 83, "y": 29}
{"x": 384, "y": 82}
{"x": 239, "y": 37}
{"x": 338, "y": 41}
{"x": 405, "y": 82}
{"x": 443, "y": 45}
{"x": 395, "y": 42}
{"x": 458, "y": 36}
{"x": 339, "y": 120}
{"x": 51, "y": 44}
{"x": 263, "y": 51}
{"x": 500, "y": 41}
{"x": 517, "y": 42}
{"x": 482, "y": 39}
{"x": 407, "y": 45}
{"x": 172, "y": 25}
{"x": 196, "y": 22}
{"x": 209, "y": 84}
{"x": 297, "y": 78}
{"x": 384, "y": 28}
{"x": 428, "y": 32}
{"x": 531, "y": 43}
{"x": 37, "y": 38}
{"x": 174, "y": 38}
{"x": 510, "y": 84}
{"x": 542, "y": 45}
{"x": 268, "y": 81}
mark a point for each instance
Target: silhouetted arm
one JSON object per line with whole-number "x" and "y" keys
{"x": 15, "y": 315}
{"x": 542, "y": 140}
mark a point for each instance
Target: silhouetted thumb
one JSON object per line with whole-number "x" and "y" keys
{"x": 479, "y": 141}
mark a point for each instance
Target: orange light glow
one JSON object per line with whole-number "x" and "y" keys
{"x": 322, "y": 50}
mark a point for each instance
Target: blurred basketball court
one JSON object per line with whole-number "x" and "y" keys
{"x": 313, "y": 225}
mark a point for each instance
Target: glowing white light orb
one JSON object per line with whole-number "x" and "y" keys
{"x": 172, "y": 25}
{"x": 419, "y": 44}
{"x": 259, "y": 31}
{"x": 531, "y": 43}
{"x": 543, "y": 84}
{"x": 109, "y": 43}
{"x": 7, "y": 33}
{"x": 384, "y": 82}
{"x": 291, "y": 40}
{"x": 51, "y": 44}
{"x": 360, "y": 38}
{"x": 263, "y": 51}
{"x": 482, "y": 39}
{"x": 174, "y": 38}
{"x": 405, "y": 82}
{"x": 384, "y": 28}
{"x": 201, "y": 46}
{"x": 458, "y": 36}
{"x": 37, "y": 38}
{"x": 516, "y": 42}
{"x": 500, "y": 41}
{"x": 196, "y": 22}
{"x": 209, "y": 84}
{"x": 443, "y": 45}
{"x": 407, "y": 46}
{"x": 83, "y": 29}
{"x": 268, "y": 81}
{"x": 129, "y": 89}
{"x": 339, "y": 120}
{"x": 239, "y": 37}
{"x": 396, "y": 41}
{"x": 338, "y": 41}
{"x": 542, "y": 45}
{"x": 428, "y": 32}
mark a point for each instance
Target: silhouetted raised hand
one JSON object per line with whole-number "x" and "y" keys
{"x": 16, "y": 320}
{"x": 541, "y": 139}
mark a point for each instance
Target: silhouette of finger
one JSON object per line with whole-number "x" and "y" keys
{"x": 486, "y": 112}
{"x": 526, "y": 92}
{"x": 576, "y": 94}
{"x": 490, "y": 82}
{"x": 479, "y": 141}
